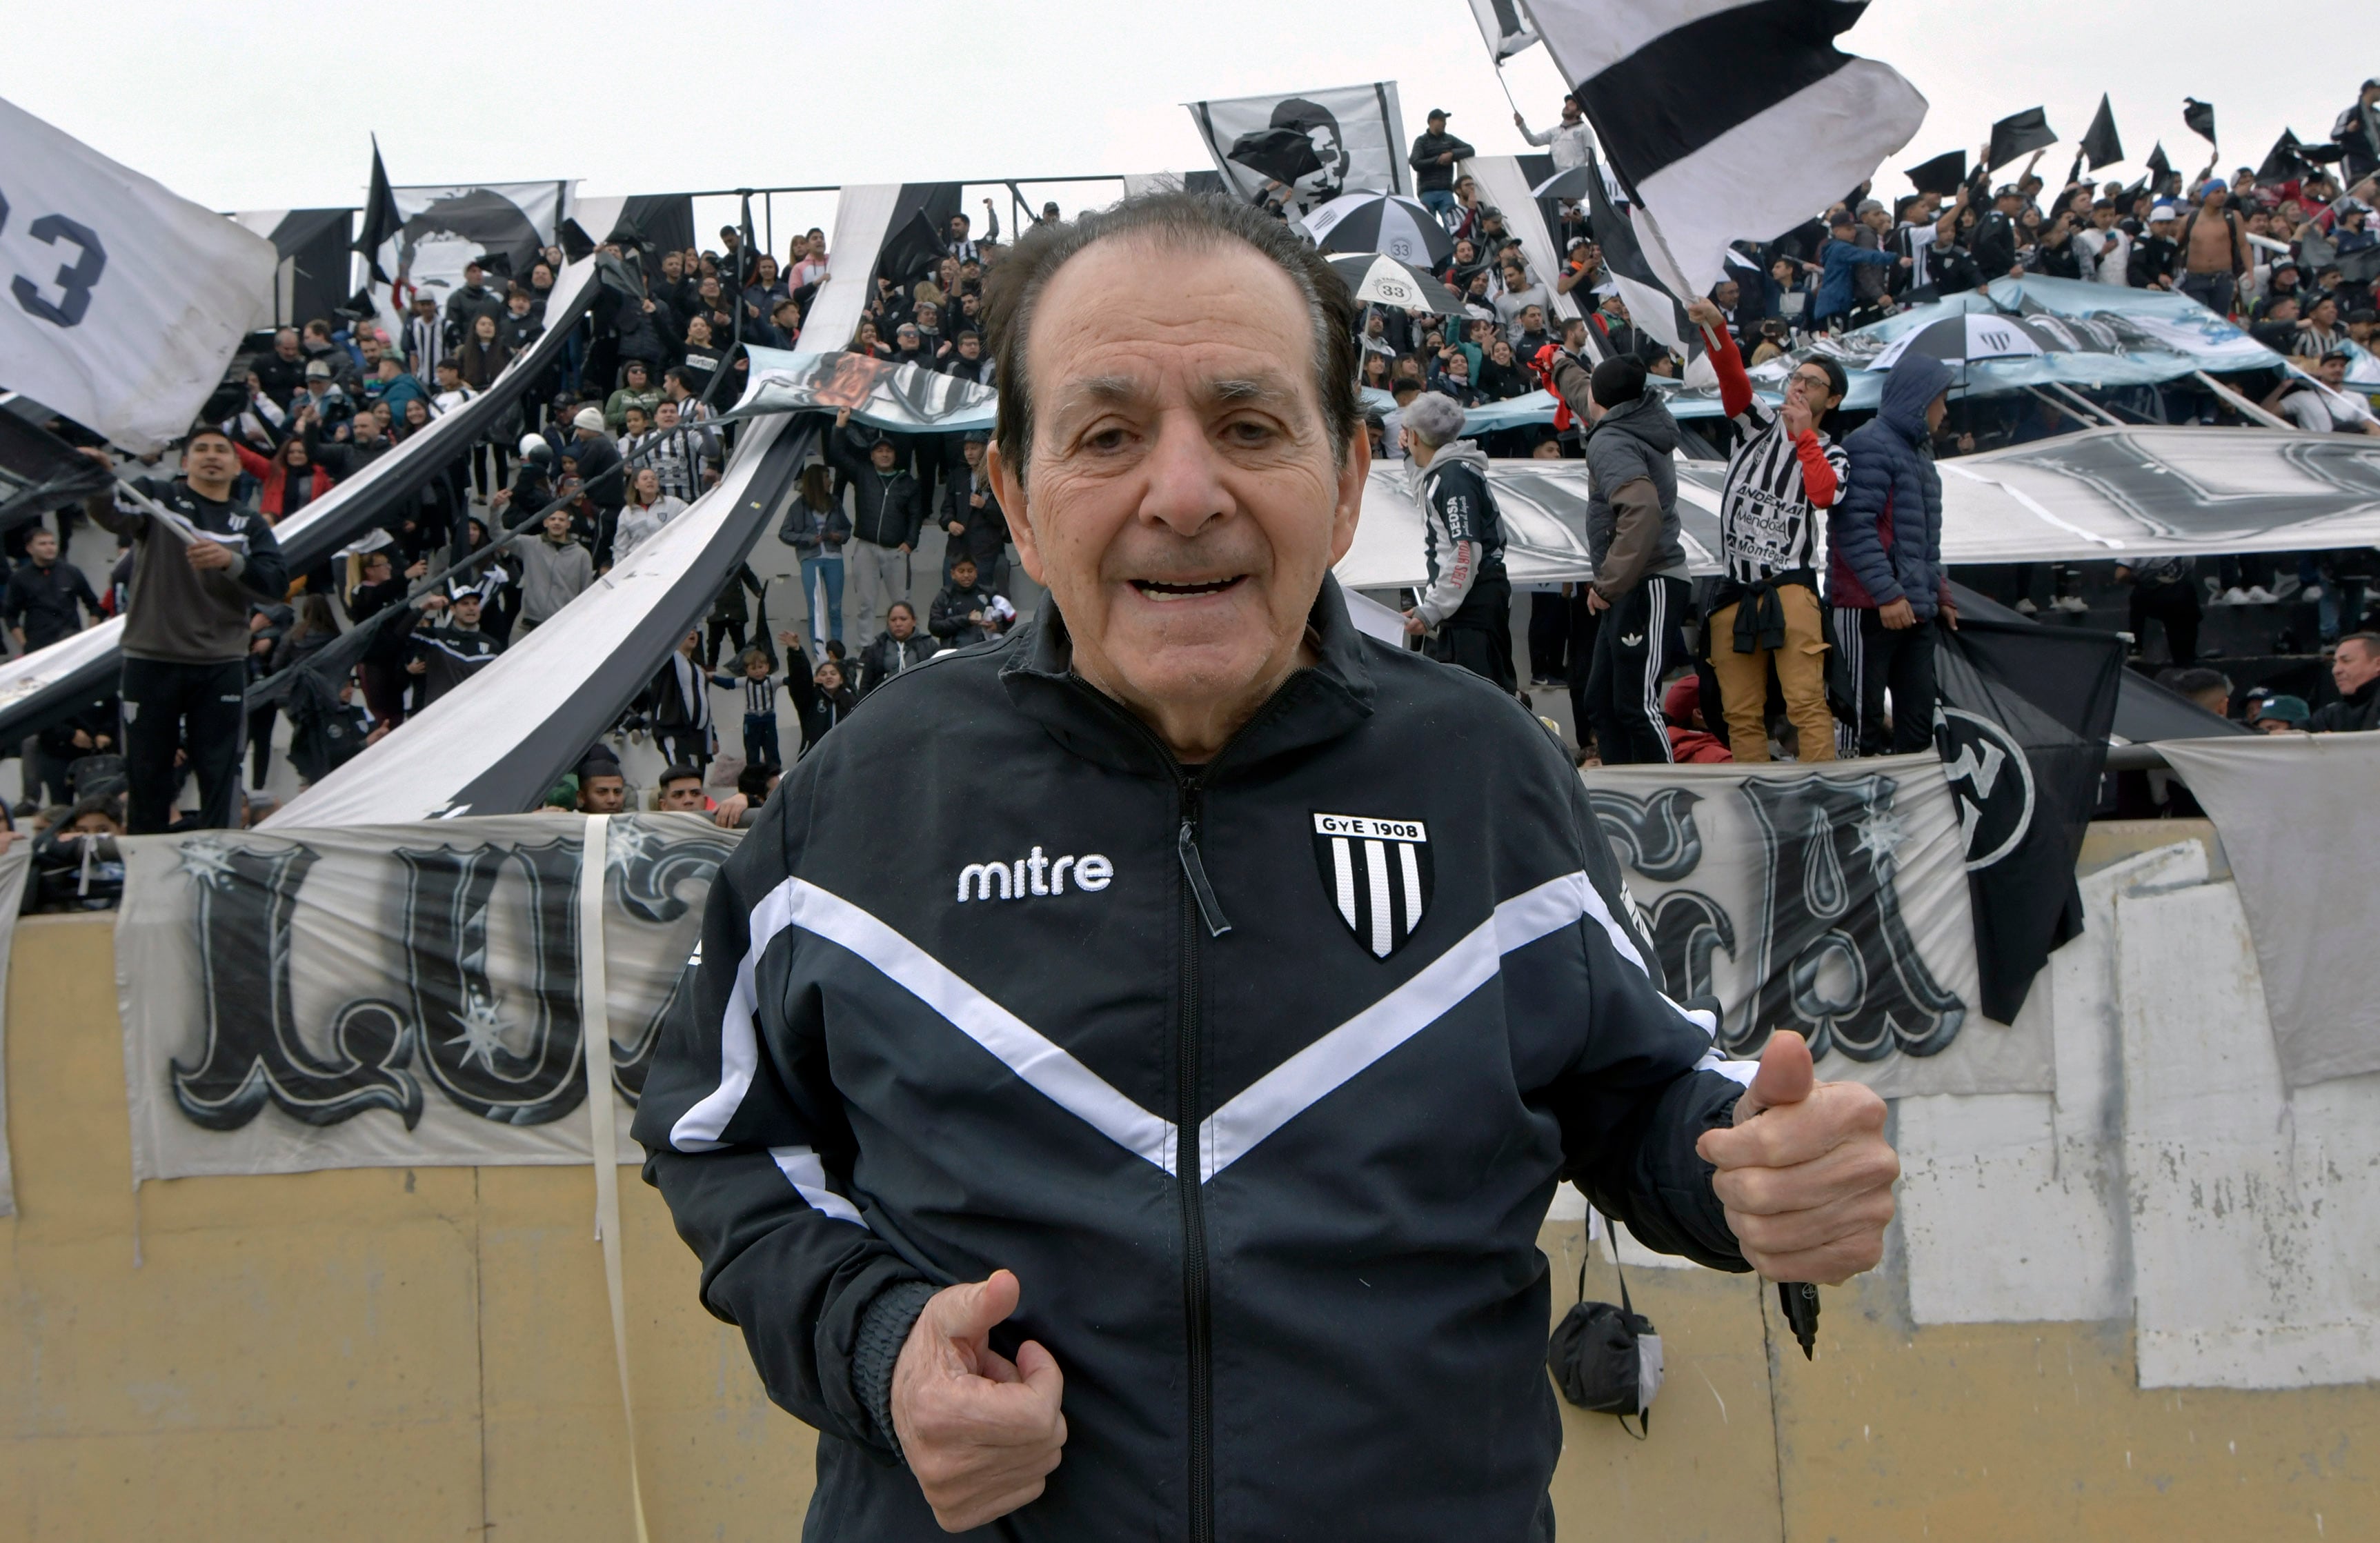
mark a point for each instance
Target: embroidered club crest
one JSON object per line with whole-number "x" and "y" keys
{"x": 1377, "y": 874}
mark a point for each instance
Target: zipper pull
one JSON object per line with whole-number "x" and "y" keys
{"x": 1196, "y": 871}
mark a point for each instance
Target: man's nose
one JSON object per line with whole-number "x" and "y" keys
{"x": 1185, "y": 487}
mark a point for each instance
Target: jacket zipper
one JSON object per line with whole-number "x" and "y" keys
{"x": 1197, "y": 907}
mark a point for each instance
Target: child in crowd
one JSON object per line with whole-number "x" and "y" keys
{"x": 759, "y": 707}
{"x": 822, "y": 699}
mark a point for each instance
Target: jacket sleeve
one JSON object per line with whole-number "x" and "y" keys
{"x": 747, "y": 1139}
{"x": 1734, "y": 385}
{"x": 1636, "y": 535}
{"x": 262, "y": 569}
{"x": 1450, "y": 506}
{"x": 1641, "y": 1087}
{"x": 1573, "y": 382}
{"x": 915, "y": 500}
{"x": 840, "y": 454}
{"x": 940, "y": 620}
{"x": 1852, "y": 524}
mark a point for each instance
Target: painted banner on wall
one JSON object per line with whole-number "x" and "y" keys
{"x": 1832, "y": 901}
{"x": 392, "y": 995}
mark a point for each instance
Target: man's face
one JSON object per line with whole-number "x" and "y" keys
{"x": 1181, "y": 502}
{"x": 285, "y": 342}
{"x": 882, "y": 455}
{"x": 603, "y": 794}
{"x": 672, "y": 265}
{"x": 665, "y": 414}
{"x": 466, "y": 611}
{"x": 963, "y": 573}
{"x": 2332, "y": 371}
{"x": 1727, "y": 295}
{"x": 210, "y": 458}
{"x": 2356, "y": 665}
{"x": 1374, "y": 324}
{"x": 970, "y": 348}
{"x": 1570, "y": 111}
{"x": 683, "y": 794}
{"x": 557, "y": 526}
{"x": 1532, "y": 320}
{"x": 971, "y": 452}
{"x": 1877, "y": 221}
{"x": 366, "y": 426}
{"x": 1811, "y": 388}
{"x": 43, "y": 548}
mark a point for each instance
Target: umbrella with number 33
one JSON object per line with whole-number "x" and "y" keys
{"x": 1383, "y": 280}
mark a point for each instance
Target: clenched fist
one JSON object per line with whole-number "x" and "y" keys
{"x": 980, "y": 1432}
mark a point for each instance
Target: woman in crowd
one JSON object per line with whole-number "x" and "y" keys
{"x": 286, "y": 481}
{"x": 815, "y": 527}
{"x": 819, "y": 697}
{"x": 648, "y": 510}
{"x": 702, "y": 360}
{"x": 484, "y": 356}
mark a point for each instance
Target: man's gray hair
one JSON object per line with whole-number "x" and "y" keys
{"x": 1433, "y": 417}
{"x": 1177, "y": 221}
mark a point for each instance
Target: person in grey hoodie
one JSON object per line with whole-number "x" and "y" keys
{"x": 1639, "y": 593}
{"x": 554, "y": 570}
{"x": 1467, "y": 610}
{"x": 1885, "y": 574}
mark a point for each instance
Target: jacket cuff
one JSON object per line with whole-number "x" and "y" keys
{"x": 884, "y": 1327}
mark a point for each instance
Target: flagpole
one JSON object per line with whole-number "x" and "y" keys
{"x": 1508, "y": 88}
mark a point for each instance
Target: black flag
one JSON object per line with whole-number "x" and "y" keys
{"x": 2158, "y": 165}
{"x": 381, "y": 221}
{"x": 912, "y": 248}
{"x": 1651, "y": 306}
{"x": 2022, "y": 732}
{"x": 2283, "y": 163}
{"x": 2018, "y": 133}
{"x": 2200, "y": 117}
{"x": 1942, "y": 174}
{"x": 2099, "y": 141}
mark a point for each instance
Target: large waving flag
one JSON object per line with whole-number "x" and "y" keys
{"x": 124, "y": 301}
{"x": 1726, "y": 118}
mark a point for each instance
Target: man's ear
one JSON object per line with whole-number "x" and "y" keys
{"x": 1354, "y": 471}
{"x": 1009, "y": 489}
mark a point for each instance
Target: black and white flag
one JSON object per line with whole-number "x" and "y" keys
{"x": 1504, "y": 29}
{"x": 1319, "y": 144}
{"x": 1651, "y": 304}
{"x": 1726, "y": 121}
{"x": 125, "y": 301}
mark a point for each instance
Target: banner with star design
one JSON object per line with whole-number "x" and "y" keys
{"x": 392, "y": 995}
{"x": 1830, "y": 900}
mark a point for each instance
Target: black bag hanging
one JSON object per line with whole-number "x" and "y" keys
{"x": 1606, "y": 1358}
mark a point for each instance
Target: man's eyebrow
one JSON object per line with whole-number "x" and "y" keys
{"x": 1238, "y": 390}
{"x": 1102, "y": 391}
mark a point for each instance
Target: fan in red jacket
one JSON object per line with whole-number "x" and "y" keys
{"x": 291, "y": 480}
{"x": 1690, "y": 739}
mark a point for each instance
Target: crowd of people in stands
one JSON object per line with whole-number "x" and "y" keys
{"x": 1816, "y": 641}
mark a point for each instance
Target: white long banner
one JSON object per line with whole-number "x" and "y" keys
{"x": 1831, "y": 901}
{"x": 125, "y": 300}
{"x": 392, "y": 995}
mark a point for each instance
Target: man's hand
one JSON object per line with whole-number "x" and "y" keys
{"x": 1897, "y": 615}
{"x": 981, "y": 1433}
{"x": 207, "y": 556}
{"x": 1807, "y": 1186}
{"x": 1705, "y": 312}
{"x": 1950, "y": 615}
{"x": 1595, "y": 601}
{"x": 1795, "y": 415}
{"x": 955, "y": 528}
{"x": 729, "y": 812}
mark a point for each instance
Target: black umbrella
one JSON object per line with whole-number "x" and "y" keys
{"x": 1401, "y": 228}
{"x": 1967, "y": 338}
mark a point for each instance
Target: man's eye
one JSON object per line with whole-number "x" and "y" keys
{"x": 1247, "y": 431}
{"x": 1105, "y": 440}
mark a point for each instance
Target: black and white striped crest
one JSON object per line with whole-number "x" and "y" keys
{"x": 1377, "y": 873}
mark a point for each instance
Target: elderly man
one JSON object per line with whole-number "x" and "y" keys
{"x": 1467, "y": 609}
{"x": 1035, "y": 1170}
{"x": 2355, "y": 669}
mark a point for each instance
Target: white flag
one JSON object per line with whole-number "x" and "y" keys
{"x": 125, "y": 301}
{"x": 1725, "y": 119}
{"x": 1507, "y": 31}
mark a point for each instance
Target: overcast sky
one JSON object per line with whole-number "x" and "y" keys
{"x": 267, "y": 103}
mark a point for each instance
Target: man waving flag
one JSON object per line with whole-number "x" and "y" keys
{"x": 1726, "y": 118}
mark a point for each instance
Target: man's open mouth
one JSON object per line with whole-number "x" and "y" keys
{"x": 1159, "y": 590}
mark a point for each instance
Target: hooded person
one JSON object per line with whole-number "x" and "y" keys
{"x": 1639, "y": 592}
{"x": 1886, "y": 580}
{"x": 1467, "y": 610}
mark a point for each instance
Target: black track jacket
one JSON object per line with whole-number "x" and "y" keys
{"x": 1273, "y": 1191}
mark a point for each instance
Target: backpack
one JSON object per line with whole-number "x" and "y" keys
{"x": 1606, "y": 1358}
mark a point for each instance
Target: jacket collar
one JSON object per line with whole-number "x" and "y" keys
{"x": 1316, "y": 705}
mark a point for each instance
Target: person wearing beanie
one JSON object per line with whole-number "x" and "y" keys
{"x": 601, "y": 477}
{"x": 1467, "y": 610}
{"x": 1639, "y": 592}
{"x": 1886, "y": 578}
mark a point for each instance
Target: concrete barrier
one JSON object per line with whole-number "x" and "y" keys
{"x": 421, "y": 1353}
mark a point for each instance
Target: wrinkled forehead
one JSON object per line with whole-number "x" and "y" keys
{"x": 1128, "y": 322}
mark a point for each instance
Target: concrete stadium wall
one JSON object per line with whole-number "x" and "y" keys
{"x": 417, "y": 1354}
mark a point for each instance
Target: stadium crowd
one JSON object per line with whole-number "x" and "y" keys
{"x": 1816, "y": 641}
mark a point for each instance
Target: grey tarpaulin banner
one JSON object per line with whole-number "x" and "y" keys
{"x": 13, "y": 865}
{"x": 2295, "y": 812}
{"x": 392, "y": 995}
{"x": 1320, "y": 143}
{"x": 1828, "y": 900}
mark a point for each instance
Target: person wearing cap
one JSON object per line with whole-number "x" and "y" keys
{"x": 888, "y": 511}
{"x": 1573, "y": 141}
{"x": 1843, "y": 257}
{"x": 1435, "y": 151}
{"x": 2213, "y": 249}
{"x": 2151, "y": 264}
{"x": 1691, "y": 741}
{"x": 2278, "y": 714}
{"x": 332, "y": 406}
{"x": 467, "y": 304}
{"x": 445, "y": 655}
{"x": 1996, "y": 237}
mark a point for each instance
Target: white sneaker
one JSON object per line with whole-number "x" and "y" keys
{"x": 2026, "y": 607}
{"x": 2233, "y": 595}
{"x": 2258, "y": 595}
{"x": 2285, "y": 586}
{"x": 2072, "y": 602}
{"x": 2312, "y": 591}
